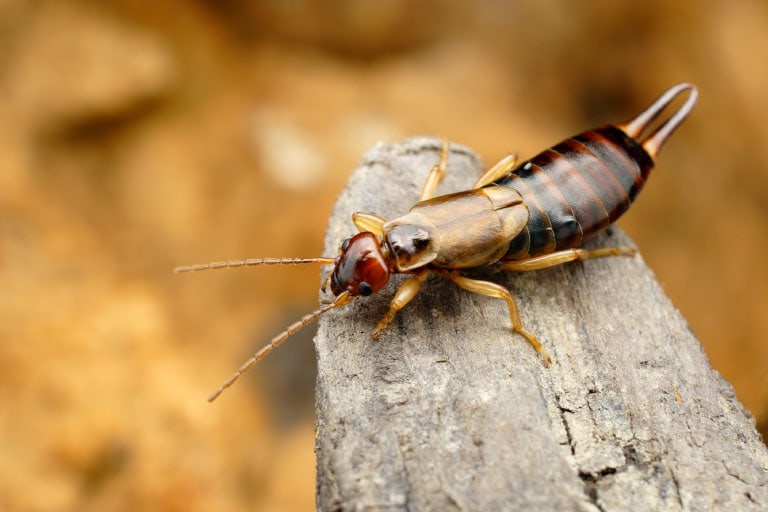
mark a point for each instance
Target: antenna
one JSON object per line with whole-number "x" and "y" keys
{"x": 252, "y": 262}
{"x": 342, "y": 300}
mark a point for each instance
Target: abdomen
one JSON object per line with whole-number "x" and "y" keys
{"x": 576, "y": 189}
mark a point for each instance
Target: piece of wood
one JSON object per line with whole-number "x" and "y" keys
{"x": 451, "y": 411}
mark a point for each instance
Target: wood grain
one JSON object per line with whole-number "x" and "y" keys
{"x": 451, "y": 411}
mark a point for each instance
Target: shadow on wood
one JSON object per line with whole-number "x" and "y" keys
{"x": 451, "y": 411}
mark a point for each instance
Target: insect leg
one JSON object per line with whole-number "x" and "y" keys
{"x": 365, "y": 221}
{"x": 497, "y": 171}
{"x": 326, "y": 282}
{"x": 496, "y": 290}
{"x": 435, "y": 174}
{"x": 560, "y": 257}
{"x": 403, "y": 296}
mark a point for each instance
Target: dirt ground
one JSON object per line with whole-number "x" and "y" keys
{"x": 137, "y": 136}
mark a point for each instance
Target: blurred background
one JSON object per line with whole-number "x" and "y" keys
{"x": 137, "y": 136}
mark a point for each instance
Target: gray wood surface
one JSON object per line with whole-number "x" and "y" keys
{"x": 451, "y": 411}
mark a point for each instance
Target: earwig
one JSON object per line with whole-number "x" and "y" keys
{"x": 520, "y": 217}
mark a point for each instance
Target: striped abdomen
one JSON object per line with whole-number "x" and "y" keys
{"x": 576, "y": 189}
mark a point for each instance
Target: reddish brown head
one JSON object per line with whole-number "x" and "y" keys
{"x": 362, "y": 268}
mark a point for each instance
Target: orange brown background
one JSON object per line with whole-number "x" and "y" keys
{"x": 137, "y": 136}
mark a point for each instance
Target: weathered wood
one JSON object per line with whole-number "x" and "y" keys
{"x": 450, "y": 411}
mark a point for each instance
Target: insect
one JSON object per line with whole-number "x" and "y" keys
{"x": 521, "y": 217}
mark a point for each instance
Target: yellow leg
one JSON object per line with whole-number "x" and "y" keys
{"x": 435, "y": 174}
{"x": 403, "y": 296}
{"x": 364, "y": 221}
{"x": 496, "y": 290}
{"x": 498, "y": 170}
{"x": 560, "y": 257}
{"x": 326, "y": 281}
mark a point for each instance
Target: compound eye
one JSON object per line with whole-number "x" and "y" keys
{"x": 345, "y": 245}
{"x": 364, "y": 289}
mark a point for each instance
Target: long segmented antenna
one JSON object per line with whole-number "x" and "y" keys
{"x": 653, "y": 142}
{"x": 342, "y": 300}
{"x": 252, "y": 262}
